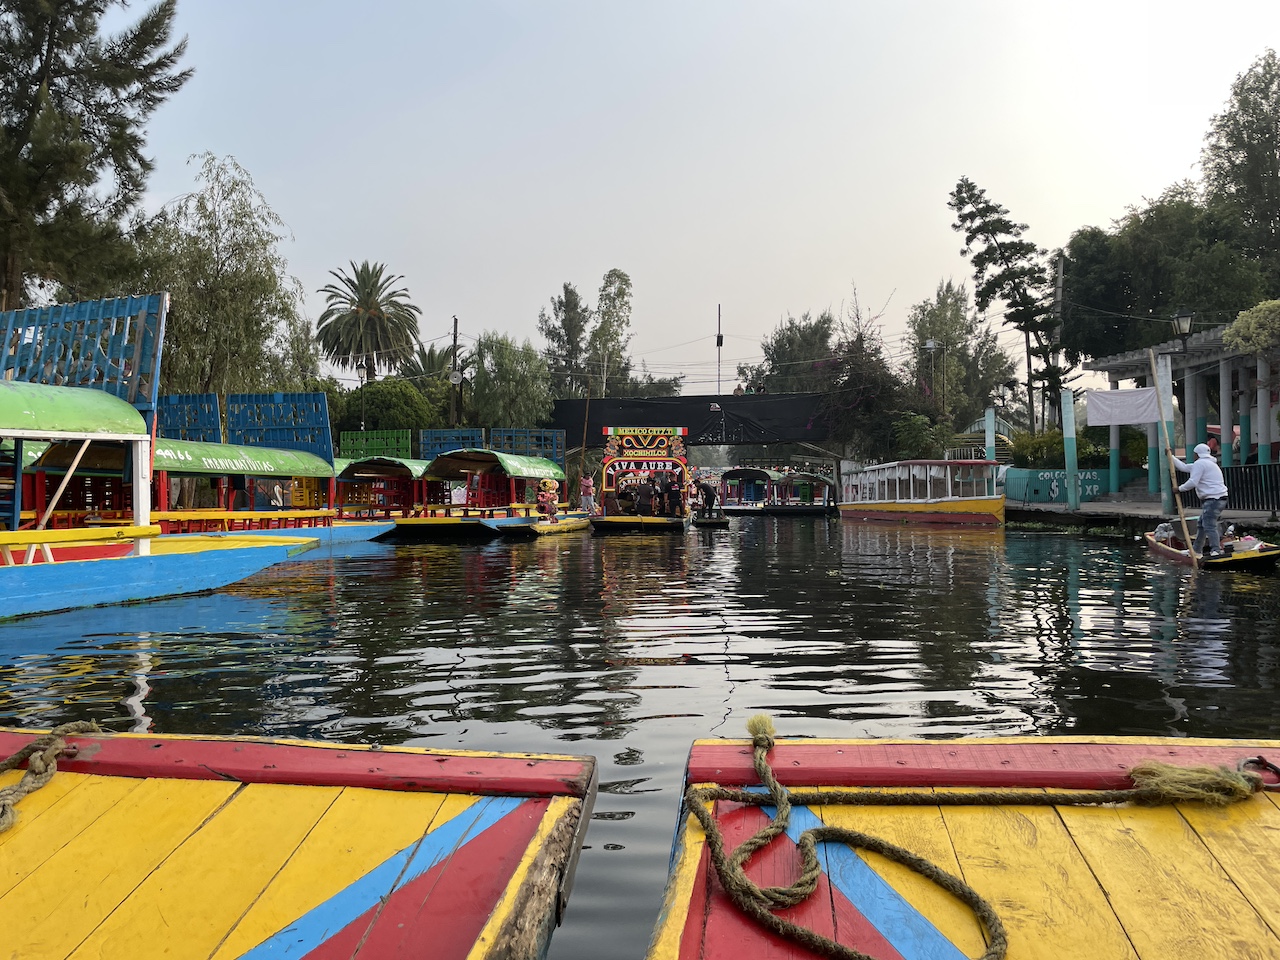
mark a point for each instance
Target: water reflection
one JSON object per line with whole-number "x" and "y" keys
{"x": 628, "y": 648}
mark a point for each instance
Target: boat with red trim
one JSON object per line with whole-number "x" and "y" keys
{"x": 643, "y": 468}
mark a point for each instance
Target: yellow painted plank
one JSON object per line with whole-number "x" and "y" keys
{"x": 188, "y": 904}
{"x": 1023, "y": 861}
{"x": 665, "y": 944}
{"x": 921, "y": 830}
{"x": 53, "y": 817}
{"x": 1245, "y": 839}
{"x": 360, "y": 830}
{"x": 46, "y": 915}
{"x": 1173, "y": 898}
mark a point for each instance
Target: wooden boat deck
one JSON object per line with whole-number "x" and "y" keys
{"x": 174, "y": 847}
{"x": 1115, "y": 881}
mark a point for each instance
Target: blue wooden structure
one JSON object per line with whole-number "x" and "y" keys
{"x": 290, "y": 421}
{"x": 432, "y": 443}
{"x": 548, "y": 444}
{"x": 195, "y": 417}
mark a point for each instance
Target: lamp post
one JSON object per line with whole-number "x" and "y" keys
{"x": 1182, "y": 326}
{"x": 362, "y": 372}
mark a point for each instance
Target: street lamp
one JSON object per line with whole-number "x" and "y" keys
{"x": 1182, "y": 326}
{"x": 362, "y": 372}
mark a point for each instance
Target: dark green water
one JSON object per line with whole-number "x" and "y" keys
{"x": 629, "y": 648}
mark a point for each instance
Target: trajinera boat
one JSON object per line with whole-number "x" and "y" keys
{"x": 925, "y": 491}
{"x": 757, "y": 491}
{"x": 1115, "y": 847}
{"x": 635, "y": 460}
{"x": 1239, "y": 551}
{"x": 147, "y": 846}
{"x": 498, "y": 487}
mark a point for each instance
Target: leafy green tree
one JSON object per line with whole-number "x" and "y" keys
{"x": 916, "y": 437}
{"x": 646, "y": 385}
{"x": 965, "y": 366}
{"x": 1256, "y": 330}
{"x": 366, "y": 318}
{"x": 1008, "y": 268}
{"x": 511, "y": 384}
{"x": 391, "y": 403}
{"x": 567, "y": 331}
{"x": 1241, "y": 160}
{"x": 608, "y": 340}
{"x": 798, "y": 356}
{"x": 428, "y": 369}
{"x": 235, "y": 321}
{"x": 74, "y": 105}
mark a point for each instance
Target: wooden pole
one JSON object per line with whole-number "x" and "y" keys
{"x": 1168, "y": 450}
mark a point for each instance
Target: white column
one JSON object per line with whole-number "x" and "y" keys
{"x": 1226, "y": 423}
{"x": 1190, "y": 395}
{"x": 1263, "y": 424}
{"x": 142, "y": 494}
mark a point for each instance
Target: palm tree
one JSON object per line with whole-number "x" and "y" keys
{"x": 366, "y": 320}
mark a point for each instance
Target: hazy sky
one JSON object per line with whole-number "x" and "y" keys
{"x": 763, "y": 157}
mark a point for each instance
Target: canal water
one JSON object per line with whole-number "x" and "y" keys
{"x": 628, "y": 648}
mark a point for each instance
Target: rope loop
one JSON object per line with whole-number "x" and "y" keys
{"x": 41, "y": 755}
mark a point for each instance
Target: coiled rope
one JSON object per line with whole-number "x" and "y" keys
{"x": 1155, "y": 783}
{"x": 41, "y": 755}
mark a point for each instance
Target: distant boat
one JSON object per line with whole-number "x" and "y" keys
{"x": 246, "y": 847}
{"x": 748, "y": 491}
{"x": 926, "y": 491}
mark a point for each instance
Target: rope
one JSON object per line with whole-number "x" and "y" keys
{"x": 41, "y": 755}
{"x": 1155, "y": 783}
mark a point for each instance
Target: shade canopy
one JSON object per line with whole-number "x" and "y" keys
{"x": 457, "y": 464}
{"x": 377, "y": 468}
{"x": 225, "y": 459}
{"x": 37, "y": 411}
{"x": 750, "y": 473}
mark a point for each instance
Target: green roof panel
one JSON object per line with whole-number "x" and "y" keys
{"x": 456, "y": 464}
{"x": 224, "y": 459}
{"x": 42, "y": 412}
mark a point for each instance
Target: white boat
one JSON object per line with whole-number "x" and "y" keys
{"x": 925, "y": 491}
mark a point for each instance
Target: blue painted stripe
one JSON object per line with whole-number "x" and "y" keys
{"x": 320, "y": 923}
{"x": 909, "y": 931}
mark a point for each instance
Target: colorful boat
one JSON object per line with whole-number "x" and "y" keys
{"x": 925, "y": 491}
{"x": 495, "y": 485}
{"x": 1238, "y": 552}
{"x": 921, "y": 839}
{"x": 533, "y": 526}
{"x": 150, "y": 846}
{"x": 757, "y": 491}
{"x": 635, "y": 456}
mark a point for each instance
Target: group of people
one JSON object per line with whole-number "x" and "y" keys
{"x": 653, "y": 495}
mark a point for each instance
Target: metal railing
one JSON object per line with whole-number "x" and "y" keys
{"x": 1254, "y": 486}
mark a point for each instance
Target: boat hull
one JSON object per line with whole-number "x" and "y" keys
{"x": 1057, "y": 874}
{"x": 633, "y": 524}
{"x": 177, "y": 566}
{"x": 1260, "y": 557}
{"x": 979, "y": 511}
{"x": 294, "y": 849}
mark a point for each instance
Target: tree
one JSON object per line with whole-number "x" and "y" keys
{"x": 367, "y": 319}
{"x": 607, "y": 342}
{"x": 646, "y": 385}
{"x": 1241, "y": 160}
{"x": 74, "y": 105}
{"x": 567, "y": 332}
{"x": 1011, "y": 269}
{"x": 391, "y": 403}
{"x": 798, "y": 357}
{"x": 965, "y": 366}
{"x": 428, "y": 369}
{"x": 235, "y": 320}
{"x": 511, "y": 385}
{"x": 1256, "y": 330}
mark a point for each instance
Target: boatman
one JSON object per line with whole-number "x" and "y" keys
{"x": 1206, "y": 480}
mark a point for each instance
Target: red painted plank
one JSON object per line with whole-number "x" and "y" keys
{"x": 729, "y": 934}
{"x": 441, "y": 913}
{"x": 249, "y": 761}
{"x": 1086, "y": 766}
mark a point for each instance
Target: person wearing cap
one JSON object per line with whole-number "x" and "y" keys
{"x": 1206, "y": 480}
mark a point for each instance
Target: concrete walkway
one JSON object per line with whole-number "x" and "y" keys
{"x": 1129, "y": 516}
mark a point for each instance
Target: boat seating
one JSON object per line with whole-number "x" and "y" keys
{"x": 32, "y": 540}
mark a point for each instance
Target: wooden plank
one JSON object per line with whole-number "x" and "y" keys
{"x": 49, "y": 912}
{"x": 187, "y": 904}
{"x": 1023, "y": 861}
{"x": 683, "y": 897}
{"x": 1047, "y": 762}
{"x": 1245, "y": 839}
{"x": 53, "y": 817}
{"x": 260, "y": 761}
{"x": 1172, "y": 897}
{"x": 362, "y": 829}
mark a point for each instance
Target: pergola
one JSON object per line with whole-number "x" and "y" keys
{"x": 1243, "y": 382}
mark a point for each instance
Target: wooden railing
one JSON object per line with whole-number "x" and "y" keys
{"x": 32, "y": 541}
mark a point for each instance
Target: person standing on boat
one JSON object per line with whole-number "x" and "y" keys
{"x": 708, "y": 491}
{"x": 1206, "y": 480}
{"x": 671, "y": 496}
{"x": 587, "y": 494}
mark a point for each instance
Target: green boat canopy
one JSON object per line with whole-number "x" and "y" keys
{"x": 801, "y": 476}
{"x": 751, "y": 473}
{"x": 224, "y": 459}
{"x": 375, "y": 468}
{"x": 456, "y": 464}
{"x": 37, "y": 411}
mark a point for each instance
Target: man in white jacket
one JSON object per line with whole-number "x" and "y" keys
{"x": 1206, "y": 480}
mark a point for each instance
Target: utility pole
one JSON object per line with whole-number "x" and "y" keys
{"x": 719, "y": 344}
{"x": 455, "y": 380}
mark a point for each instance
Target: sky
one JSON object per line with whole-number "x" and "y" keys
{"x": 746, "y": 160}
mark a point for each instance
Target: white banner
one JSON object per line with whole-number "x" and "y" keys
{"x": 1106, "y": 407}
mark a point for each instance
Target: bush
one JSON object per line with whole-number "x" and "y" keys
{"x": 1046, "y": 451}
